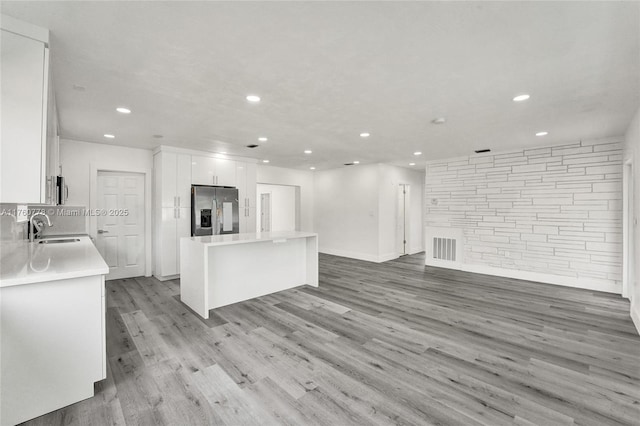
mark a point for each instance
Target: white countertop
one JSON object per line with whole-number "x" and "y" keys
{"x": 227, "y": 239}
{"x": 22, "y": 262}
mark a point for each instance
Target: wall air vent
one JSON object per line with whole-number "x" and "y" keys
{"x": 481, "y": 151}
{"x": 252, "y": 146}
{"x": 444, "y": 249}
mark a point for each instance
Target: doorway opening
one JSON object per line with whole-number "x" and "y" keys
{"x": 120, "y": 237}
{"x": 628, "y": 231}
{"x": 402, "y": 221}
{"x": 278, "y": 208}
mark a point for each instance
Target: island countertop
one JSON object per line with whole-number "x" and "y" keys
{"x": 22, "y": 262}
{"x": 250, "y": 237}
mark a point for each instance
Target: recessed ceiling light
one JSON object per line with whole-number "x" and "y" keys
{"x": 253, "y": 98}
{"x": 542, "y": 133}
{"x": 108, "y": 136}
{"x": 439, "y": 120}
{"x": 412, "y": 164}
{"x": 356, "y": 162}
{"x": 263, "y": 139}
{"x": 364, "y": 135}
{"x": 312, "y": 168}
{"x": 123, "y": 110}
{"x": 223, "y": 152}
{"x": 265, "y": 161}
{"x": 521, "y": 98}
{"x": 307, "y": 151}
{"x": 417, "y": 153}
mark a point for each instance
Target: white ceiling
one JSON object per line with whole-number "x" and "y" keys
{"x": 327, "y": 71}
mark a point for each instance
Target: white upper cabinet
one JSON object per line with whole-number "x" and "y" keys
{"x": 173, "y": 179}
{"x": 24, "y": 62}
{"x": 213, "y": 171}
{"x": 246, "y": 174}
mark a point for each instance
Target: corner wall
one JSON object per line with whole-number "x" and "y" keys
{"x": 549, "y": 214}
{"x": 632, "y": 152}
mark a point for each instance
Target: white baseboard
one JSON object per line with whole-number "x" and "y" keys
{"x": 167, "y": 277}
{"x": 350, "y": 254}
{"x": 584, "y": 283}
{"x": 387, "y": 257}
{"x": 635, "y": 315}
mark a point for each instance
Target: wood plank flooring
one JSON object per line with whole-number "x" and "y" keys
{"x": 375, "y": 344}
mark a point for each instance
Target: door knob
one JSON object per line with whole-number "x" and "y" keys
{"x": 100, "y": 231}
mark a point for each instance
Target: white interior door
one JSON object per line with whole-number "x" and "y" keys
{"x": 402, "y": 221}
{"x": 120, "y": 237}
{"x": 265, "y": 212}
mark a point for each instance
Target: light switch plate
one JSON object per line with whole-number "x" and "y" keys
{"x": 22, "y": 214}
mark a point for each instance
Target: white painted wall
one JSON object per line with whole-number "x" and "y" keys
{"x": 632, "y": 151}
{"x": 80, "y": 162}
{"x": 356, "y": 210}
{"x": 300, "y": 178}
{"x": 283, "y": 206}
{"x": 346, "y": 211}
{"x": 546, "y": 214}
{"x": 390, "y": 179}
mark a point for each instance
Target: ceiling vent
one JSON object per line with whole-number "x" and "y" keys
{"x": 252, "y": 146}
{"x": 348, "y": 164}
{"x": 482, "y": 151}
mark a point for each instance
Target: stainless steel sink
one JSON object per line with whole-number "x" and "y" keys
{"x": 59, "y": 241}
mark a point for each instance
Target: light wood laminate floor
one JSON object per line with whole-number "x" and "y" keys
{"x": 391, "y": 343}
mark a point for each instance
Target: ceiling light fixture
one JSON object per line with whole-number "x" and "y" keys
{"x": 417, "y": 153}
{"x": 439, "y": 120}
{"x": 253, "y": 98}
{"x": 265, "y": 161}
{"x": 356, "y": 162}
{"x": 412, "y": 164}
{"x": 542, "y": 133}
{"x": 312, "y": 168}
{"x": 109, "y": 136}
{"x": 364, "y": 135}
{"x": 263, "y": 139}
{"x": 123, "y": 110}
{"x": 307, "y": 151}
{"x": 521, "y": 98}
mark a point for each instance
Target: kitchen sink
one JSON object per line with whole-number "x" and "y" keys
{"x": 59, "y": 241}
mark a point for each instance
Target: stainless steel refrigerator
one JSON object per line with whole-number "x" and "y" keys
{"x": 214, "y": 210}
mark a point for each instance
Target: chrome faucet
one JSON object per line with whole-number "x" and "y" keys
{"x": 32, "y": 224}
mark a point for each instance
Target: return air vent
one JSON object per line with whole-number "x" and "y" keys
{"x": 444, "y": 249}
{"x": 348, "y": 164}
{"x": 252, "y": 146}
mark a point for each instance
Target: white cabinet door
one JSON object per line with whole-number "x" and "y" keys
{"x": 225, "y": 171}
{"x": 203, "y": 170}
{"x": 183, "y": 229}
{"x": 24, "y": 77}
{"x": 167, "y": 259}
{"x": 183, "y": 180}
{"x": 167, "y": 178}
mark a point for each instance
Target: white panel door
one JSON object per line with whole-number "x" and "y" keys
{"x": 120, "y": 237}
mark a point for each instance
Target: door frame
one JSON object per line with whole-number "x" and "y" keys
{"x": 404, "y": 189}
{"x": 628, "y": 244}
{"x": 111, "y": 166}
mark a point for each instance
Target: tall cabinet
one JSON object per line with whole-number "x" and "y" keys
{"x": 172, "y": 210}
{"x": 28, "y": 153}
{"x": 246, "y": 179}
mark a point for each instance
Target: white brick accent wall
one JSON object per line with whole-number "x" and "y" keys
{"x": 555, "y": 211}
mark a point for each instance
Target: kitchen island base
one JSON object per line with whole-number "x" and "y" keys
{"x": 223, "y": 269}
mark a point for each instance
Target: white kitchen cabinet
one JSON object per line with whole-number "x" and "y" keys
{"x": 213, "y": 171}
{"x": 172, "y": 172}
{"x": 246, "y": 178}
{"x": 53, "y": 345}
{"x": 24, "y": 59}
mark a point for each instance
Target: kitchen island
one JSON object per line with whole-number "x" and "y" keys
{"x": 52, "y": 325}
{"x": 219, "y": 270}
